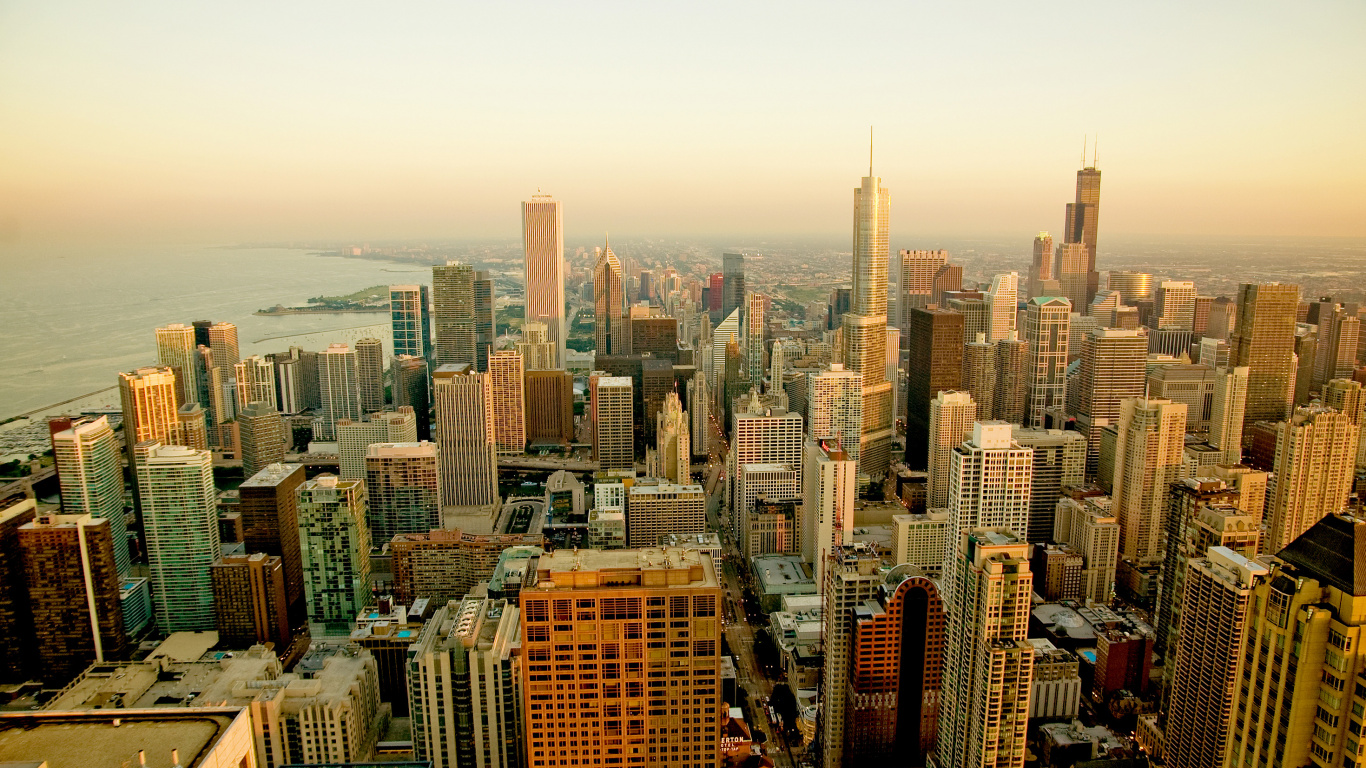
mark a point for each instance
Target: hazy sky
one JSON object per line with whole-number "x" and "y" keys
{"x": 232, "y": 121}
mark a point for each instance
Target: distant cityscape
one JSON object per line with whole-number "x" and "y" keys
{"x": 630, "y": 504}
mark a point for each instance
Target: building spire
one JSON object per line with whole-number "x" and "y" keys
{"x": 870, "y": 151}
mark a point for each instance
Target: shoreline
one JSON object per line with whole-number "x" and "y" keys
{"x": 322, "y": 311}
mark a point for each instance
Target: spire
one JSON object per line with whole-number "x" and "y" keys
{"x": 870, "y": 151}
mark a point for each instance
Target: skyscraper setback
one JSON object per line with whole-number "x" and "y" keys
{"x": 1080, "y": 226}
{"x": 543, "y": 245}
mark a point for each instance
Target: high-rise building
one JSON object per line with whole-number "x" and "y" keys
{"x": 896, "y": 663}
{"x": 988, "y": 665}
{"x": 764, "y": 435}
{"x": 1218, "y": 590}
{"x": 716, "y": 283}
{"x": 334, "y": 544}
{"x": 611, "y": 408}
{"x": 612, "y": 592}
{"x": 1088, "y": 526}
{"x": 611, "y": 326}
{"x": 948, "y": 279}
{"x": 262, "y": 432}
{"x": 223, "y": 343}
{"x": 991, "y": 478}
{"x": 935, "y": 349}
{"x": 73, "y": 594}
{"x": 549, "y": 407}
{"x": 18, "y": 654}
{"x": 733, "y": 282}
{"x": 1002, "y": 303}
{"x": 1132, "y": 287}
{"x": 465, "y": 660}
{"x": 1316, "y": 455}
{"x": 1059, "y": 461}
{"x": 754, "y": 334}
{"x": 250, "y": 602}
{"x": 508, "y": 387}
{"x": 1339, "y": 335}
{"x": 465, "y": 436}
{"x": 673, "y": 441}
{"x": 149, "y": 404}
{"x": 485, "y": 329}
{"x": 177, "y": 350}
{"x": 412, "y": 388}
{"x": 1042, "y": 280}
{"x": 404, "y": 489}
{"x": 90, "y": 474}
{"x": 1073, "y": 278}
{"x": 369, "y": 374}
{"x": 536, "y": 348}
{"x": 1349, "y": 397}
{"x": 410, "y": 313}
{"x": 1112, "y": 369}
{"x": 979, "y": 376}
{"x": 543, "y": 245}
{"x": 726, "y": 331}
{"x": 1082, "y": 221}
{"x": 699, "y": 406}
{"x": 915, "y": 287}
{"x": 453, "y": 300}
{"x": 1175, "y": 307}
{"x": 254, "y": 378}
{"x": 1148, "y": 459}
{"x": 1226, "y": 416}
{"x": 1264, "y": 342}
{"x": 952, "y": 415}
{"x": 829, "y": 487}
{"x": 339, "y": 390}
{"x": 655, "y": 508}
{"x": 852, "y": 577}
{"x": 1012, "y": 382}
{"x": 839, "y": 304}
{"x": 834, "y": 409}
{"x": 355, "y": 437}
{"x": 269, "y": 505}
{"x": 180, "y": 529}
{"x": 1047, "y": 320}
{"x": 443, "y": 565}
{"x": 865, "y": 328}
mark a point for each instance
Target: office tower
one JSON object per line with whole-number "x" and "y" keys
{"x": 254, "y": 378}
{"x": 334, "y": 544}
{"x": 988, "y": 665}
{"x": 1002, "y": 301}
{"x": 1214, "y": 621}
{"x": 223, "y": 343}
{"x": 177, "y": 350}
{"x": 465, "y": 437}
{"x": 834, "y": 409}
{"x": 840, "y": 301}
{"x": 73, "y": 594}
{"x": 1133, "y": 287}
{"x": 657, "y": 336}
{"x": 289, "y": 384}
{"x": 1294, "y": 705}
{"x": 654, "y": 508}
{"x": 1222, "y": 316}
{"x": 404, "y": 489}
{"x": 262, "y": 432}
{"x": 1073, "y": 279}
{"x": 726, "y": 331}
{"x": 339, "y": 390}
{"x": 454, "y": 310}
{"x": 1316, "y": 455}
{"x": 269, "y": 506}
{"x": 896, "y": 663}
{"x": 935, "y": 351}
{"x": 370, "y": 374}
{"x": 865, "y": 327}
{"x": 1045, "y": 370}
{"x": 951, "y": 421}
{"x": 485, "y": 329}
{"x": 1203, "y": 304}
{"x": 1043, "y": 280}
{"x": 536, "y": 348}
{"x": 916, "y": 285}
{"x": 976, "y": 313}
{"x": 543, "y": 245}
{"x": 673, "y": 441}
{"x": 1059, "y": 460}
{"x": 733, "y": 282}
{"x": 829, "y": 487}
{"x": 715, "y": 291}
{"x": 1104, "y": 305}
{"x": 412, "y": 389}
{"x": 1226, "y": 416}
{"x": 609, "y": 305}
{"x": 355, "y": 437}
{"x": 1148, "y": 459}
{"x": 777, "y": 364}
{"x": 180, "y": 530}
{"x": 90, "y": 473}
{"x": 699, "y": 406}
{"x": 611, "y": 408}
{"x": 979, "y": 376}
{"x": 1175, "y": 307}
{"x": 1088, "y": 527}
{"x": 1012, "y": 384}
{"x": 852, "y": 577}
{"x": 1264, "y": 342}
{"x": 1306, "y": 351}
{"x": 1112, "y": 370}
{"x": 754, "y": 335}
{"x": 250, "y": 602}
{"x": 219, "y": 395}
{"x": 991, "y": 480}
{"x": 18, "y": 653}
{"x": 1187, "y": 383}
{"x": 465, "y": 660}
{"x": 768, "y": 437}
{"x": 549, "y": 408}
{"x": 1348, "y": 397}
{"x": 1339, "y": 335}
{"x": 149, "y": 404}
{"x": 1083, "y": 217}
{"x": 507, "y": 386}
{"x": 410, "y": 313}
{"x": 622, "y": 588}
{"x": 949, "y": 278}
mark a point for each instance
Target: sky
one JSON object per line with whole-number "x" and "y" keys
{"x": 246, "y": 121}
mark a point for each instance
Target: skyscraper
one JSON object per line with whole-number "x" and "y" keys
{"x": 716, "y": 283}
{"x": 979, "y": 376}
{"x": 754, "y": 335}
{"x": 1112, "y": 370}
{"x": 1133, "y": 287}
{"x": 1315, "y": 463}
{"x": 410, "y": 313}
{"x": 733, "y": 282}
{"x": 549, "y": 407}
{"x": 951, "y": 421}
{"x": 254, "y": 378}
{"x": 485, "y": 329}
{"x": 370, "y": 374}
{"x": 852, "y": 577}
{"x": 1047, "y": 321}
{"x": 334, "y": 544}
{"x": 612, "y": 407}
{"x": 1012, "y": 381}
{"x": 1264, "y": 342}
{"x": 609, "y": 304}
{"x": 262, "y": 432}
{"x": 250, "y": 602}
{"x": 177, "y": 350}
{"x": 223, "y": 344}
{"x": 543, "y": 245}
{"x": 654, "y": 509}
{"x": 1175, "y": 307}
{"x": 990, "y": 483}
{"x": 1042, "y": 281}
{"x": 339, "y": 388}
{"x": 988, "y": 666}
{"x": 1083, "y": 217}
{"x": 19, "y": 653}
{"x": 834, "y": 409}
{"x": 1059, "y": 460}
{"x": 916, "y": 285}
{"x": 411, "y": 388}
{"x": 453, "y": 299}
{"x": 1226, "y": 417}
{"x": 355, "y": 437}
{"x": 90, "y": 473}
{"x": 935, "y": 349}
{"x": 404, "y": 489}
{"x": 465, "y": 437}
{"x": 865, "y": 328}
{"x": 1002, "y": 303}
{"x": 180, "y": 528}
{"x": 1088, "y": 527}
{"x": 1148, "y": 459}
{"x": 829, "y": 487}
{"x": 270, "y": 524}
{"x": 673, "y": 441}
{"x": 768, "y": 436}
{"x": 699, "y": 407}
{"x": 536, "y": 349}
{"x": 149, "y": 404}
{"x": 508, "y": 387}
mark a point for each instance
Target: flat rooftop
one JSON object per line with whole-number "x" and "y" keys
{"x": 648, "y": 567}
{"x": 113, "y": 740}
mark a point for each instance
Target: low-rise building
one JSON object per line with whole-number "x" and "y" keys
{"x": 1055, "y": 692}
{"x": 776, "y": 575}
{"x": 921, "y": 540}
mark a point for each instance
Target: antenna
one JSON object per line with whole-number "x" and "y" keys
{"x": 870, "y": 151}
{"x": 1095, "y": 151}
{"x": 1083, "y": 151}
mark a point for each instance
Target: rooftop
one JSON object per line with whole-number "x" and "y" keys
{"x": 97, "y": 740}
{"x": 648, "y": 567}
{"x": 1333, "y": 551}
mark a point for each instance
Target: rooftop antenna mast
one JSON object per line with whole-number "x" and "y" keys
{"x": 870, "y": 151}
{"x": 1095, "y": 151}
{"x": 1083, "y": 150}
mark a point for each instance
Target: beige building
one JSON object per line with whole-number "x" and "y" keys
{"x": 1046, "y": 331}
{"x": 1226, "y": 415}
{"x": 150, "y": 404}
{"x": 1264, "y": 342}
{"x": 465, "y": 436}
{"x": 338, "y": 388}
{"x": 656, "y": 507}
{"x": 1315, "y": 464}
{"x": 369, "y": 374}
{"x": 638, "y": 618}
{"x": 922, "y": 540}
{"x": 1148, "y": 459}
{"x": 354, "y": 438}
{"x": 177, "y": 350}
{"x": 507, "y": 386}
{"x": 254, "y": 379}
{"x": 261, "y": 430}
{"x": 404, "y": 488}
{"x": 612, "y": 409}
{"x": 952, "y": 415}
{"x": 209, "y": 737}
{"x": 673, "y": 441}
{"x": 1090, "y": 527}
{"x": 829, "y": 488}
{"x": 991, "y": 480}
{"x": 1112, "y": 365}
{"x": 852, "y": 577}
{"x": 536, "y": 349}
{"x": 834, "y": 407}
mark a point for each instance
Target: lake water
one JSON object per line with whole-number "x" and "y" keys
{"x": 70, "y": 320}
